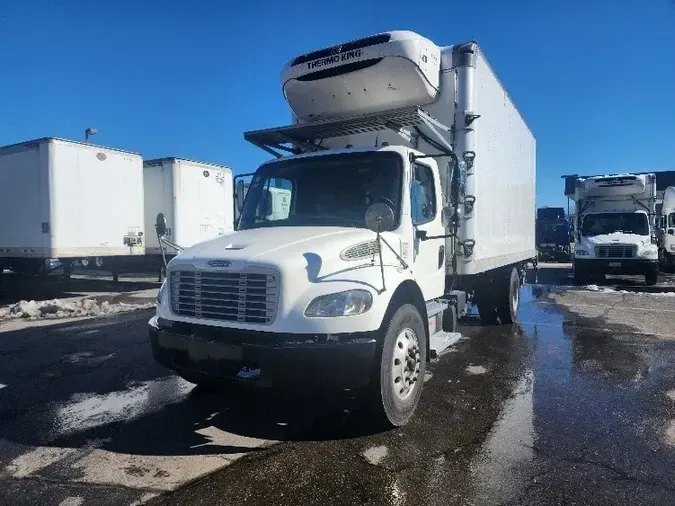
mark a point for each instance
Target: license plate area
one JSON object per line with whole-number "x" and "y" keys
{"x": 199, "y": 349}
{"x": 615, "y": 264}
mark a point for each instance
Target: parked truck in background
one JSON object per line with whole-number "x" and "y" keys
{"x": 552, "y": 234}
{"x": 411, "y": 177}
{"x": 614, "y": 227}
{"x": 70, "y": 201}
{"x": 667, "y": 230}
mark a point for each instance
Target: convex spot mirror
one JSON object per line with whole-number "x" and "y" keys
{"x": 380, "y": 217}
{"x": 160, "y": 225}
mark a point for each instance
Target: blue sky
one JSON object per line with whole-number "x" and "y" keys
{"x": 595, "y": 79}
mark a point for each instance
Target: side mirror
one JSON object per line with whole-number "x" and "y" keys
{"x": 160, "y": 225}
{"x": 239, "y": 194}
{"x": 379, "y": 217}
{"x": 446, "y": 216}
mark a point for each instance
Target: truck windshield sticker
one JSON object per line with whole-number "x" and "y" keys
{"x": 336, "y": 58}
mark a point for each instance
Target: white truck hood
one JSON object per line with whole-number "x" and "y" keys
{"x": 616, "y": 238}
{"x": 287, "y": 245}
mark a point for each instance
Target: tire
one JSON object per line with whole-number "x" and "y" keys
{"x": 580, "y": 277}
{"x": 487, "y": 307}
{"x": 398, "y": 396}
{"x": 509, "y": 299}
{"x": 651, "y": 278}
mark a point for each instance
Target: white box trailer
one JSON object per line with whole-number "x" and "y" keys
{"x": 196, "y": 199}
{"x": 411, "y": 177}
{"x": 69, "y": 200}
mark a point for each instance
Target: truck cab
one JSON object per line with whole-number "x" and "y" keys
{"x": 667, "y": 230}
{"x": 553, "y": 234}
{"x": 614, "y": 228}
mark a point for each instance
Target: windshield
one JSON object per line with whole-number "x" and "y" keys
{"x": 608, "y": 223}
{"x": 331, "y": 190}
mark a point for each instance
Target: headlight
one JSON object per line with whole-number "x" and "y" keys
{"x": 349, "y": 303}
{"x": 161, "y": 294}
{"x": 581, "y": 252}
{"x": 649, "y": 251}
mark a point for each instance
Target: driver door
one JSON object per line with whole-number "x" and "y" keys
{"x": 425, "y": 212}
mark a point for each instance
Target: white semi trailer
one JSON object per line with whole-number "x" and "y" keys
{"x": 614, "y": 227}
{"x": 195, "y": 198}
{"x": 70, "y": 201}
{"x": 412, "y": 193}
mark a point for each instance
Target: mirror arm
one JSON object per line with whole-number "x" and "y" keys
{"x": 403, "y": 263}
{"x": 422, "y": 235}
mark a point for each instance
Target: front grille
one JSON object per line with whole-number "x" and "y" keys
{"x": 615, "y": 251}
{"x": 248, "y": 296}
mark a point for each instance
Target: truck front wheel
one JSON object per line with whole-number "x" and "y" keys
{"x": 402, "y": 366}
{"x": 651, "y": 278}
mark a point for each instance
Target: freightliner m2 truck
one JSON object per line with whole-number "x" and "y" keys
{"x": 411, "y": 177}
{"x": 614, "y": 227}
{"x": 667, "y": 232}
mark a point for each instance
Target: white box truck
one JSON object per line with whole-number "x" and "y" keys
{"x": 614, "y": 227}
{"x": 196, "y": 199}
{"x": 412, "y": 191}
{"x": 667, "y": 230}
{"x": 68, "y": 200}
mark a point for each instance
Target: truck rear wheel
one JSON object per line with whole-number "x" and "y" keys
{"x": 509, "y": 299}
{"x": 487, "y": 307}
{"x": 402, "y": 366}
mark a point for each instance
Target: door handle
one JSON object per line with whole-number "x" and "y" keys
{"x": 441, "y": 256}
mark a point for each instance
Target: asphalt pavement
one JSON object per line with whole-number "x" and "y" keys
{"x": 573, "y": 405}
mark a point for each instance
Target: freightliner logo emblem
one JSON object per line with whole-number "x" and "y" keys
{"x": 219, "y": 263}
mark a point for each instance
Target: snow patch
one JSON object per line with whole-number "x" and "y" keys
{"x": 2, "y": 385}
{"x": 596, "y": 288}
{"x": 670, "y": 433}
{"x": 72, "y": 501}
{"x": 59, "y": 308}
{"x": 86, "y": 411}
{"x": 476, "y": 369}
{"x": 375, "y": 454}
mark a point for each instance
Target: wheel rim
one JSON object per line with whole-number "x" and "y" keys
{"x": 515, "y": 298}
{"x": 406, "y": 364}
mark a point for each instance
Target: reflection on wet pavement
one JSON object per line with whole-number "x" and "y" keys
{"x": 544, "y": 412}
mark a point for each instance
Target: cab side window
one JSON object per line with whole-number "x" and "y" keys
{"x": 423, "y": 195}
